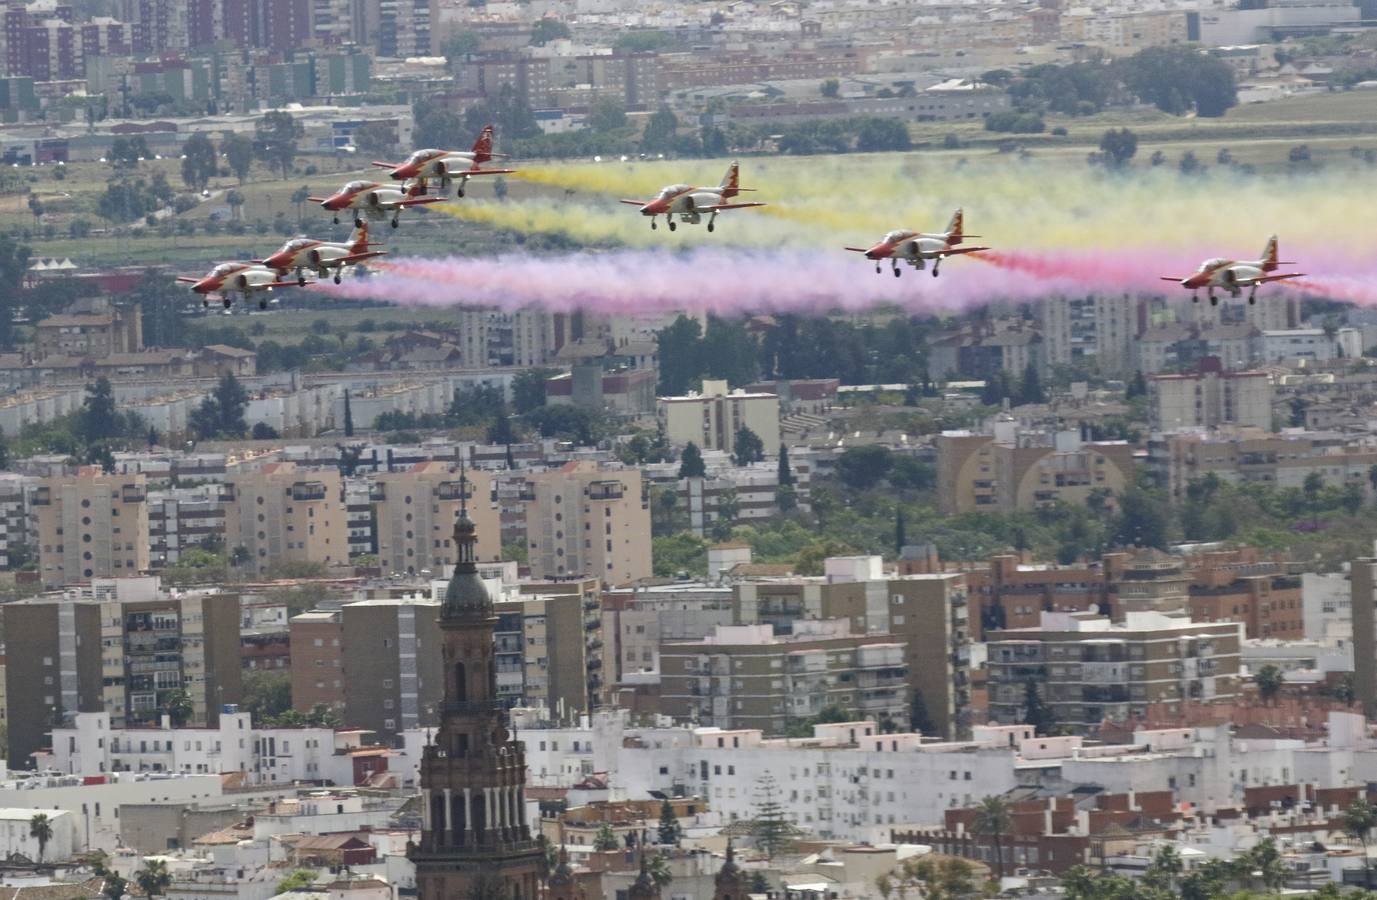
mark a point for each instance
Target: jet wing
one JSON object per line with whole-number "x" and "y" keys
{"x": 420, "y": 201}
{"x": 466, "y": 172}
{"x": 277, "y": 284}
{"x": 187, "y": 279}
{"x": 957, "y": 251}
{"x": 316, "y": 199}
{"x": 357, "y": 257}
{"x": 720, "y": 206}
{"x": 1266, "y": 278}
{"x": 384, "y": 165}
{"x": 1172, "y": 278}
{"x": 858, "y": 249}
{"x": 634, "y": 202}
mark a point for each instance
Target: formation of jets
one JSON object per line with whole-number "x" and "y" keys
{"x": 679, "y": 204}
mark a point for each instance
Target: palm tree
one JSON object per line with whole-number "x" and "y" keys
{"x": 1269, "y": 680}
{"x": 993, "y": 817}
{"x": 236, "y": 204}
{"x": 658, "y": 867}
{"x": 115, "y": 887}
{"x": 1358, "y": 821}
{"x": 154, "y": 879}
{"x": 41, "y": 830}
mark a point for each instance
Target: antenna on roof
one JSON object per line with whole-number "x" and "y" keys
{"x": 463, "y": 488}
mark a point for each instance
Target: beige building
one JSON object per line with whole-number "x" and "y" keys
{"x": 1247, "y": 455}
{"x": 711, "y": 419}
{"x": 540, "y": 653}
{"x": 1363, "y": 578}
{"x": 1211, "y": 398}
{"x": 746, "y": 676}
{"x": 89, "y": 525}
{"x": 416, "y": 510}
{"x": 279, "y": 513}
{"x": 90, "y": 335}
{"x": 1094, "y": 332}
{"x": 118, "y": 646}
{"x": 925, "y": 614}
{"x": 1026, "y": 471}
{"x": 585, "y": 520}
{"x": 1087, "y": 669}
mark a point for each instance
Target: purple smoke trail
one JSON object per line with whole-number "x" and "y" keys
{"x": 738, "y": 281}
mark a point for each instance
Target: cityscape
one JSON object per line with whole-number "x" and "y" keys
{"x": 463, "y": 450}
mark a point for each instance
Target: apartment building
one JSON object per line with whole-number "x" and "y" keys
{"x": 582, "y": 519}
{"x": 1251, "y": 455}
{"x": 984, "y": 353}
{"x": 279, "y": 513}
{"x": 712, "y": 418}
{"x": 118, "y": 646}
{"x": 14, "y": 533}
{"x": 747, "y": 676}
{"x": 1014, "y": 470}
{"x": 587, "y": 595}
{"x": 636, "y": 621}
{"x": 1209, "y": 398}
{"x": 925, "y": 613}
{"x": 1363, "y": 578}
{"x": 89, "y": 525}
{"x": 182, "y": 518}
{"x": 317, "y": 671}
{"x": 1087, "y": 669}
{"x": 1094, "y": 332}
{"x": 95, "y": 335}
{"x": 415, "y": 511}
{"x": 540, "y": 653}
{"x": 393, "y": 674}
{"x": 1240, "y": 586}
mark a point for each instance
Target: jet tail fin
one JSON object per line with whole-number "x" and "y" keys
{"x": 731, "y": 182}
{"x": 955, "y": 229}
{"x": 1270, "y": 255}
{"x": 482, "y": 148}
{"x": 358, "y": 241}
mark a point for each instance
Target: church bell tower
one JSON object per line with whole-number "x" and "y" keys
{"x": 475, "y": 842}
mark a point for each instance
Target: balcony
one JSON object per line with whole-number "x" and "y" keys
{"x": 307, "y": 491}
{"x": 605, "y": 490}
{"x": 454, "y": 490}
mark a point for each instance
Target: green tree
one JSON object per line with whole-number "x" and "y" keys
{"x": 348, "y": 415}
{"x": 680, "y": 348}
{"x": 128, "y": 152}
{"x": 1164, "y": 871}
{"x": 606, "y": 115}
{"x": 1352, "y": 499}
{"x": 994, "y": 819}
{"x": 882, "y": 134}
{"x": 691, "y": 462}
{"x": 1137, "y": 386}
{"x": 771, "y": 828}
{"x": 301, "y": 878}
{"x": 177, "y": 704}
{"x": 658, "y": 868}
{"x": 1179, "y": 79}
{"x": 115, "y": 887}
{"x": 1035, "y": 712}
{"x": 1269, "y": 680}
{"x": 100, "y": 420}
{"x": 661, "y": 131}
{"x": 1264, "y": 863}
{"x": 275, "y": 137}
{"x": 153, "y": 879}
{"x": 1358, "y": 821}
{"x": 900, "y": 533}
{"x": 238, "y": 150}
{"x": 528, "y": 389}
{"x": 1031, "y": 387}
{"x": 41, "y": 830}
{"x": 1190, "y": 164}
{"x": 546, "y": 29}
{"x": 786, "y": 473}
{"x": 862, "y": 468}
{"x": 198, "y": 161}
{"x": 266, "y": 695}
{"x": 670, "y": 832}
{"x": 747, "y": 447}
{"x": 830, "y": 88}
{"x": 235, "y": 200}
{"x": 222, "y": 413}
{"x": 1143, "y": 520}
{"x": 728, "y": 508}
{"x": 605, "y": 840}
{"x": 459, "y": 48}
{"x": 1119, "y": 147}
{"x": 299, "y": 198}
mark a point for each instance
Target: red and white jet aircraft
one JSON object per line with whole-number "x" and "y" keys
{"x": 916, "y": 247}
{"x": 1234, "y": 276}
{"x": 322, "y": 256}
{"x": 447, "y": 165}
{"x": 374, "y": 200}
{"x": 244, "y": 277}
{"x": 689, "y": 203}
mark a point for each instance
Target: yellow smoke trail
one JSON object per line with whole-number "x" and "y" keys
{"x": 830, "y": 200}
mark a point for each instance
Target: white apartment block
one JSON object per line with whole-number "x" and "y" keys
{"x": 711, "y": 419}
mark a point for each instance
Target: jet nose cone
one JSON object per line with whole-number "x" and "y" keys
{"x": 204, "y": 286}
{"x": 276, "y": 261}
{"x": 874, "y": 253}
{"x": 332, "y": 203}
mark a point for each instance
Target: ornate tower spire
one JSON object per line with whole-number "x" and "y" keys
{"x": 727, "y": 882}
{"x": 474, "y": 835}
